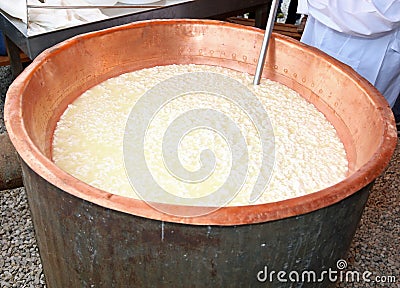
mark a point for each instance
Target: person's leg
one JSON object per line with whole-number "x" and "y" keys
{"x": 292, "y": 15}
{"x": 396, "y": 110}
{"x": 3, "y": 50}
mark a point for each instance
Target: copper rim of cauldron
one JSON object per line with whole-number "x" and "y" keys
{"x": 225, "y": 216}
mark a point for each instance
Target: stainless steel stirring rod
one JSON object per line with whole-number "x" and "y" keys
{"x": 267, "y": 36}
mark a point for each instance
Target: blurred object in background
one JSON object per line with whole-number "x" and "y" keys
{"x": 279, "y": 14}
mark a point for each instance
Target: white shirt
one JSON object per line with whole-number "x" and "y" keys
{"x": 364, "y": 34}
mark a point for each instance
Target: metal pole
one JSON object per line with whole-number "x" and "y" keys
{"x": 267, "y": 36}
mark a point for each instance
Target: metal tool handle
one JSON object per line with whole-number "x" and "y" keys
{"x": 267, "y": 36}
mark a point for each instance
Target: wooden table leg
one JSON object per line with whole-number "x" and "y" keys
{"x": 14, "y": 55}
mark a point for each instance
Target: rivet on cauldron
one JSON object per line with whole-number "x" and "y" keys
{"x": 245, "y": 58}
{"x": 304, "y": 80}
{"x": 285, "y": 70}
{"x": 234, "y": 56}
{"x": 276, "y": 67}
{"x": 295, "y": 75}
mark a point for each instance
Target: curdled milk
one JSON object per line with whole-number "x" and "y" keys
{"x": 88, "y": 138}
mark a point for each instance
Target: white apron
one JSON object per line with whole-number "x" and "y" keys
{"x": 364, "y": 34}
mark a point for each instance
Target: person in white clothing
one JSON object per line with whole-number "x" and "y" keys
{"x": 364, "y": 34}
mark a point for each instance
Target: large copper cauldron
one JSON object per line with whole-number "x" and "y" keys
{"x": 90, "y": 238}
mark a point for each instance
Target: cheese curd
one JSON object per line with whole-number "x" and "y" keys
{"x": 88, "y": 139}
